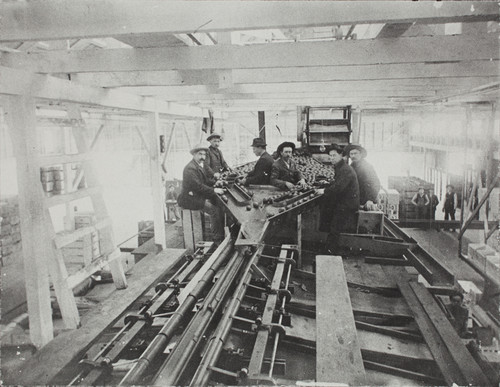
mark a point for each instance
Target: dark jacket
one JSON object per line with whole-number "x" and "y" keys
{"x": 261, "y": 173}
{"x": 369, "y": 184}
{"x": 450, "y": 201}
{"x": 340, "y": 201}
{"x": 280, "y": 174}
{"x": 197, "y": 187}
{"x": 215, "y": 160}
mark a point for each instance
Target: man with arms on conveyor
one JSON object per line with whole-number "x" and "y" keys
{"x": 340, "y": 201}
{"x": 198, "y": 192}
{"x": 369, "y": 183}
{"x": 284, "y": 172}
{"x": 261, "y": 173}
{"x": 215, "y": 159}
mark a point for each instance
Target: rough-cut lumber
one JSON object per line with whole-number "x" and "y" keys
{"x": 19, "y": 82}
{"x": 338, "y": 356}
{"x": 289, "y": 74}
{"x": 56, "y": 19}
{"x": 333, "y": 53}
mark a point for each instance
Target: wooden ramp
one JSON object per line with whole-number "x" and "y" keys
{"x": 338, "y": 356}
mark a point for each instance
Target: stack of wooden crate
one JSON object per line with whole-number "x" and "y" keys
{"x": 52, "y": 179}
{"x": 10, "y": 229}
{"x": 85, "y": 249}
{"x": 388, "y": 203}
{"x": 408, "y": 186}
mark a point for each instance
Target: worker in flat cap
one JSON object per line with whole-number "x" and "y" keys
{"x": 198, "y": 192}
{"x": 284, "y": 172}
{"x": 369, "y": 183}
{"x": 340, "y": 203}
{"x": 261, "y": 173}
{"x": 215, "y": 159}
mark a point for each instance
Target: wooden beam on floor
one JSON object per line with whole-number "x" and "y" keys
{"x": 335, "y": 53}
{"x": 55, "y": 20}
{"x": 338, "y": 355}
{"x": 456, "y": 365}
{"x": 45, "y": 364}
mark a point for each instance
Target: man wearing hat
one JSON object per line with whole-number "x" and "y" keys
{"x": 340, "y": 203}
{"x": 198, "y": 193}
{"x": 261, "y": 173}
{"x": 215, "y": 159}
{"x": 369, "y": 184}
{"x": 284, "y": 172}
{"x": 450, "y": 204}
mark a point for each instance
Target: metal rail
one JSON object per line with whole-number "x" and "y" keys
{"x": 211, "y": 356}
{"x": 160, "y": 342}
{"x": 177, "y": 361}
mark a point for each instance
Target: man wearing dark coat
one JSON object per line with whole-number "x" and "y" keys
{"x": 261, "y": 173}
{"x": 369, "y": 183}
{"x": 284, "y": 172}
{"x": 198, "y": 193}
{"x": 340, "y": 200}
{"x": 215, "y": 159}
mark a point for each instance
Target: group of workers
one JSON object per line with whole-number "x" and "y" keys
{"x": 355, "y": 186}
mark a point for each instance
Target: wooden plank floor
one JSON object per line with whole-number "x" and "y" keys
{"x": 46, "y": 363}
{"x": 338, "y": 356}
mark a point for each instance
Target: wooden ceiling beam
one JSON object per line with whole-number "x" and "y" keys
{"x": 437, "y": 49}
{"x": 291, "y": 74}
{"x": 61, "y": 19}
{"x": 311, "y": 87}
{"x": 18, "y": 82}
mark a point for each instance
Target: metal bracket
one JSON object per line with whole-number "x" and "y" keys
{"x": 281, "y": 293}
{"x": 105, "y": 364}
{"x": 273, "y": 328}
{"x": 134, "y": 317}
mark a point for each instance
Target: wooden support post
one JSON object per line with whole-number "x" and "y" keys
{"x": 107, "y": 239}
{"x": 338, "y": 355}
{"x": 356, "y": 125}
{"x": 156, "y": 181}
{"x": 20, "y": 114}
{"x": 299, "y": 241}
{"x": 262, "y": 125}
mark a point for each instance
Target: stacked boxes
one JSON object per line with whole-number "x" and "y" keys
{"x": 494, "y": 208}
{"x": 407, "y": 188}
{"x": 486, "y": 257}
{"x": 388, "y": 203}
{"x": 85, "y": 249}
{"x": 52, "y": 179}
{"x": 10, "y": 229}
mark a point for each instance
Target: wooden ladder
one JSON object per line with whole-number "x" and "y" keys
{"x": 47, "y": 244}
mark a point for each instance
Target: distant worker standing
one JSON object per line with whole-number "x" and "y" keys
{"x": 261, "y": 173}
{"x": 284, "y": 172}
{"x": 215, "y": 159}
{"x": 421, "y": 201}
{"x": 369, "y": 183}
{"x": 450, "y": 204}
